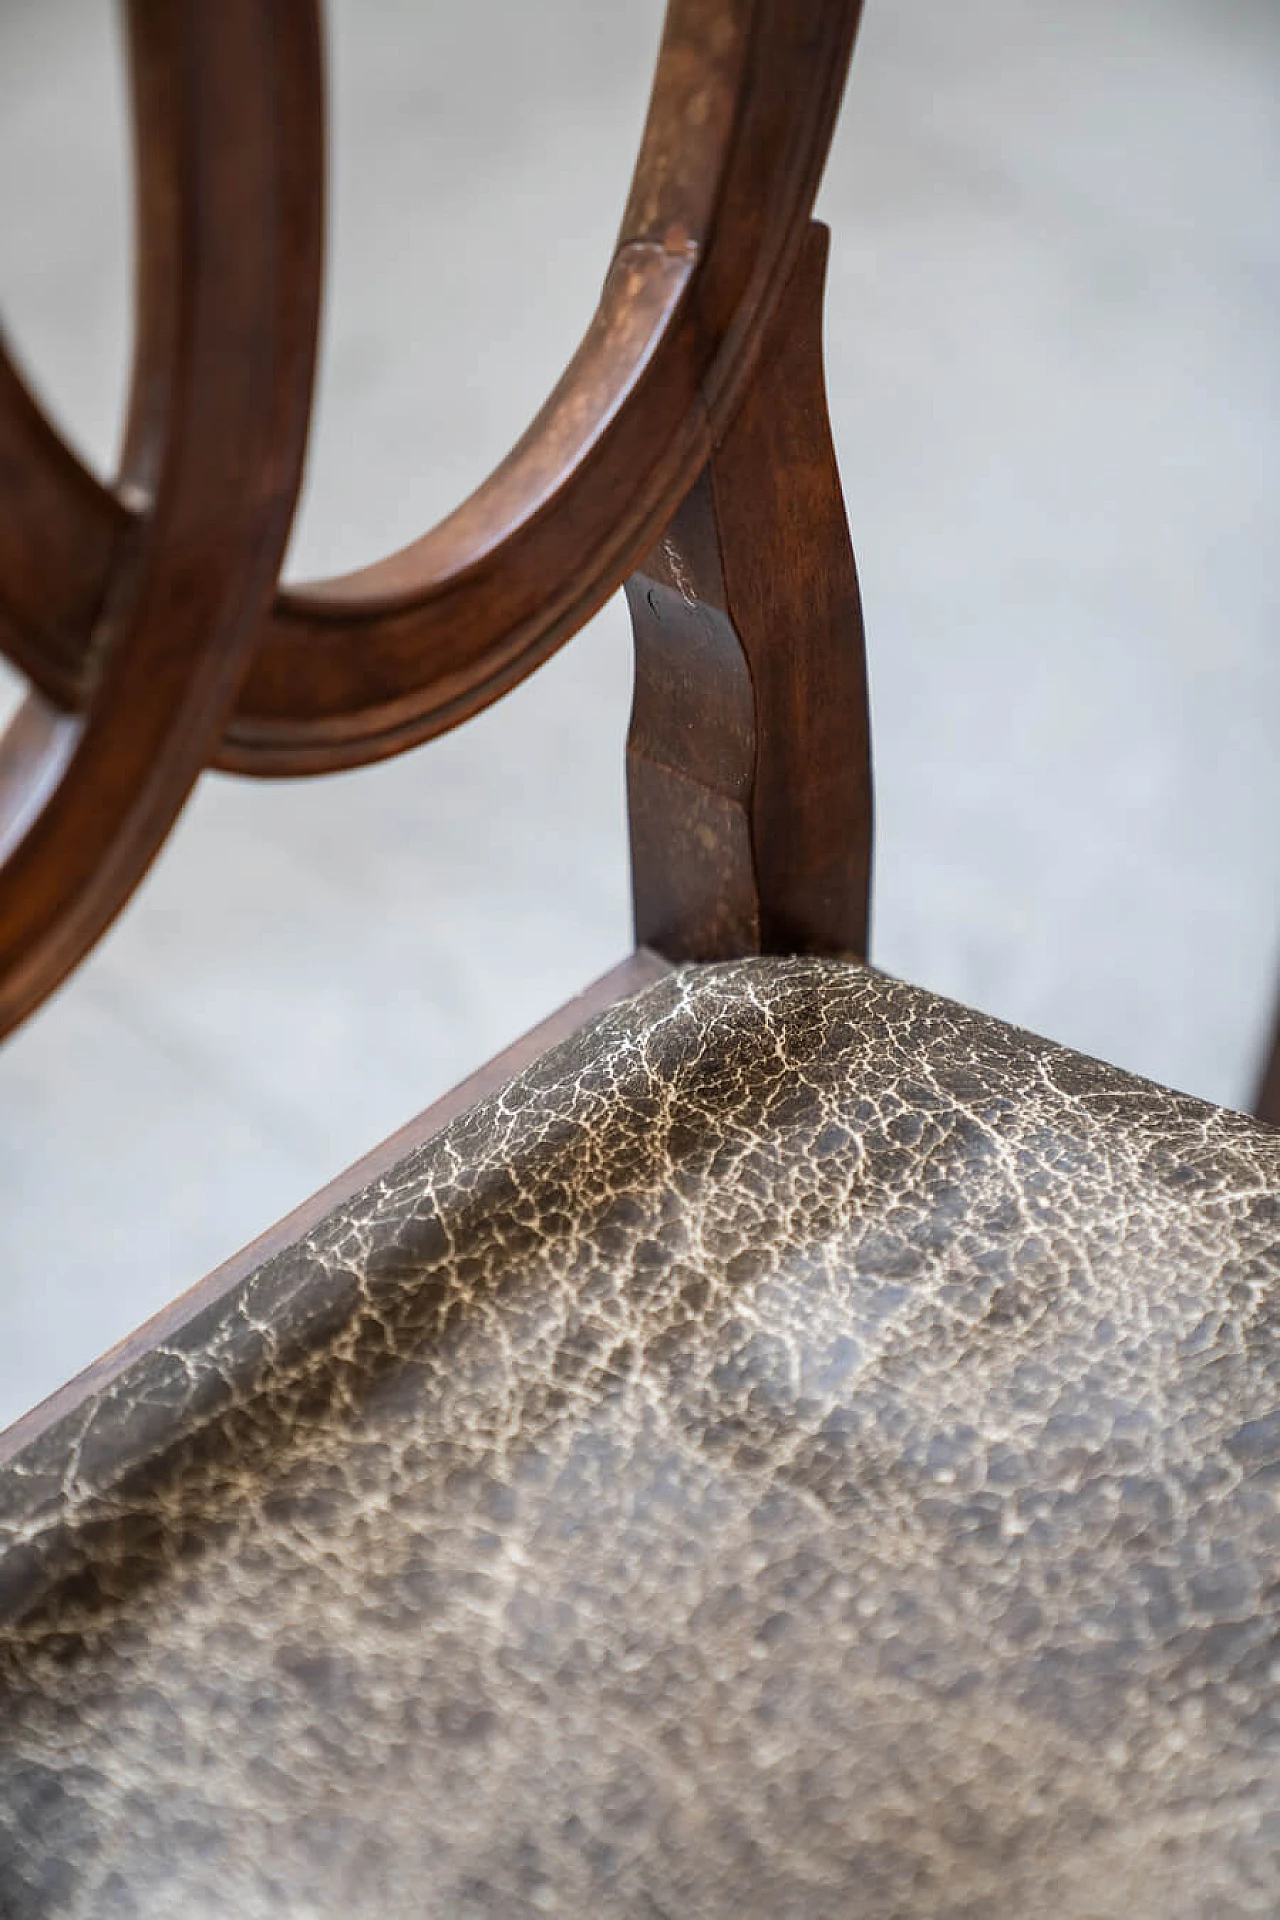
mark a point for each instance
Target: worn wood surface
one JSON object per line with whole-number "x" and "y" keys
{"x": 749, "y": 759}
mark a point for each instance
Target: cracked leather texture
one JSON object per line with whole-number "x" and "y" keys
{"x": 802, "y": 1449}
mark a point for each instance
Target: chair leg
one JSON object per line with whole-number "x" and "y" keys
{"x": 748, "y": 759}
{"x": 1267, "y": 1106}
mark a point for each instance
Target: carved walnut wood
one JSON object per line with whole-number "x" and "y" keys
{"x": 147, "y": 615}
{"x": 1268, "y": 1102}
{"x": 229, "y": 132}
{"x": 350, "y": 670}
{"x": 749, "y": 761}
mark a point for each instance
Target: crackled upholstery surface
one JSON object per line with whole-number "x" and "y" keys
{"x": 804, "y": 1449}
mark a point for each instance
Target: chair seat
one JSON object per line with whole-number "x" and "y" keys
{"x": 803, "y": 1448}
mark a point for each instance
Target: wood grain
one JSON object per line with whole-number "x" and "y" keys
{"x": 230, "y": 216}
{"x": 749, "y": 758}
{"x": 149, "y": 618}
{"x": 352, "y": 669}
{"x": 1267, "y": 1105}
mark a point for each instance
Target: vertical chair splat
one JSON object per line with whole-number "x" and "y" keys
{"x": 748, "y": 758}
{"x": 1267, "y": 1104}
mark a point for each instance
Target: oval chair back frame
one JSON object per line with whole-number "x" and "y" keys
{"x": 684, "y": 452}
{"x": 148, "y": 615}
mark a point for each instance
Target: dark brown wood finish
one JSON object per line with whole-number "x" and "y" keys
{"x": 60, "y": 536}
{"x": 749, "y": 757}
{"x": 349, "y": 670}
{"x": 142, "y": 614}
{"x": 229, "y": 129}
{"x": 690, "y": 427}
{"x": 1267, "y": 1106}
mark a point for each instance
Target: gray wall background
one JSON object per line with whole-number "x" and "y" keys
{"x": 1054, "y": 381}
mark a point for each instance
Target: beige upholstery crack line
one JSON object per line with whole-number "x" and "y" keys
{"x": 801, "y": 1447}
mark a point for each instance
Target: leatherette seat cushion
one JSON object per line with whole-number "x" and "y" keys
{"x": 802, "y": 1449}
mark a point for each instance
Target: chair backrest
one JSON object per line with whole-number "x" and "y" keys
{"x": 685, "y": 451}
{"x": 685, "y": 447}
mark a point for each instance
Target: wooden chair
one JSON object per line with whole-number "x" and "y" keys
{"x": 777, "y": 1442}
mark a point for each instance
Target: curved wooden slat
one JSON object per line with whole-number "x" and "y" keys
{"x": 352, "y": 669}
{"x": 228, "y": 113}
{"x": 60, "y": 536}
{"x": 744, "y": 105}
